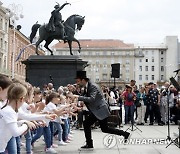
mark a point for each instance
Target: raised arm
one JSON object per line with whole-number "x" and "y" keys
{"x": 63, "y": 6}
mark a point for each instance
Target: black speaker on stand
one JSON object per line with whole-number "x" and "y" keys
{"x": 115, "y": 71}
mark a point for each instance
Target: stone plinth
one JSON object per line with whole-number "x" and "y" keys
{"x": 60, "y": 70}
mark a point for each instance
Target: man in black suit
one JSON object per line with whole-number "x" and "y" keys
{"x": 98, "y": 107}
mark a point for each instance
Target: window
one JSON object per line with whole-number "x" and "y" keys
{"x": 162, "y": 52}
{"x": 0, "y": 62}
{"x": 97, "y": 62}
{"x": 152, "y": 52}
{"x": 104, "y": 64}
{"x": 140, "y": 52}
{"x": 140, "y": 60}
{"x": 152, "y": 59}
{"x": 146, "y": 52}
{"x": 104, "y": 53}
{"x": 90, "y": 53}
{"x": 146, "y": 60}
{"x": 146, "y": 77}
{"x": 104, "y": 76}
{"x": 97, "y": 69}
{"x": 5, "y": 45}
{"x": 127, "y": 53}
{"x": 4, "y": 62}
{"x": 127, "y": 78}
{"x": 127, "y": 62}
{"x": 162, "y": 68}
{"x": 146, "y": 68}
{"x": 140, "y": 68}
{"x": 152, "y": 68}
{"x": 6, "y": 27}
{"x": 1, "y": 43}
{"x": 97, "y": 78}
{"x": 17, "y": 68}
{"x": 112, "y": 53}
{"x": 97, "y": 53}
{"x": 140, "y": 77}
{"x": 162, "y": 77}
{"x": 152, "y": 77}
{"x": 162, "y": 59}
{"x": 1, "y": 23}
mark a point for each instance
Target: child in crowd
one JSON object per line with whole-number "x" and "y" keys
{"x": 5, "y": 82}
{"x": 51, "y": 100}
{"x": 8, "y": 115}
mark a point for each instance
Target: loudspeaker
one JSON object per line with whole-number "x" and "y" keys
{"x": 115, "y": 70}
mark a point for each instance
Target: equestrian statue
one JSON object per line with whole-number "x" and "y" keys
{"x": 58, "y": 29}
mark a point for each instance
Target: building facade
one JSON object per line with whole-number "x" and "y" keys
{"x": 12, "y": 41}
{"x": 172, "y": 56}
{"x": 100, "y": 54}
{"x": 17, "y": 42}
{"x": 142, "y": 63}
{"x": 159, "y": 62}
{"x": 4, "y": 24}
{"x": 150, "y": 64}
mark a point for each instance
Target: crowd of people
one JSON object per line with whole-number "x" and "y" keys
{"x": 33, "y": 112}
{"x": 30, "y": 112}
{"x": 148, "y": 104}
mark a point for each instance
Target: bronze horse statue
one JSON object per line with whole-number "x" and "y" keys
{"x": 74, "y": 22}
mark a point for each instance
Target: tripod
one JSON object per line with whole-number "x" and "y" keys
{"x": 132, "y": 127}
{"x": 175, "y": 141}
{"x": 173, "y": 81}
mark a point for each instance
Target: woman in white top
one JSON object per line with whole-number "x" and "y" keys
{"x": 8, "y": 115}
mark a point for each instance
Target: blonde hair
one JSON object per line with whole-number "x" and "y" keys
{"x": 16, "y": 91}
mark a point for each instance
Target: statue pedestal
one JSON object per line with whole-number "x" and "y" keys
{"x": 60, "y": 70}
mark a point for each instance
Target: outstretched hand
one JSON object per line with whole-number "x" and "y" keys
{"x": 51, "y": 116}
{"x": 73, "y": 96}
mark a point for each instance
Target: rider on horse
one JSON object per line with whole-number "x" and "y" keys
{"x": 56, "y": 20}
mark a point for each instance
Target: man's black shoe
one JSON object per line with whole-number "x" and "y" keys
{"x": 126, "y": 137}
{"x": 151, "y": 124}
{"x": 163, "y": 123}
{"x": 140, "y": 124}
{"x": 87, "y": 147}
{"x": 160, "y": 124}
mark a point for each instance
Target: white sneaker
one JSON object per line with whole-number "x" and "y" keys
{"x": 70, "y": 136}
{"x": 67, "y": 141}
{"x": 62, "y": 143}
{"x": 50, "y": 150}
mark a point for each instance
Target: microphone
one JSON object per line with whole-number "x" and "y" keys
{"x": 176, "y": 71}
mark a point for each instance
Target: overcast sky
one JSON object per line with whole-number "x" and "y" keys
{"x": 133, "y": 21}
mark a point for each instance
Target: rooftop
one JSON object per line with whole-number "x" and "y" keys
{"x": 96, "y": 43}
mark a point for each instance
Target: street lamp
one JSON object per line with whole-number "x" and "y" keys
{"x": 15, "y": 12}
